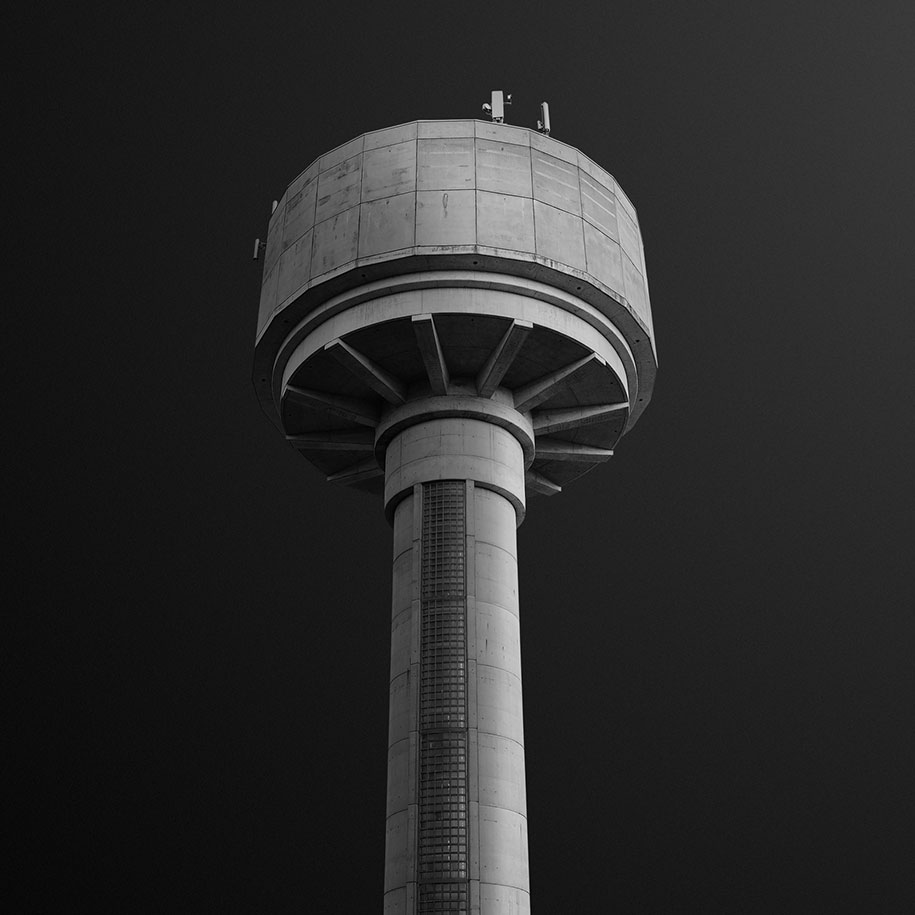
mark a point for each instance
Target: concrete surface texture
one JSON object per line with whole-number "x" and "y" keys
{"x": 455, "y": 316}
{"x": 456, "y": 816}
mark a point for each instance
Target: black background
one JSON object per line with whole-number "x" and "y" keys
{"x": 717, "y": 625}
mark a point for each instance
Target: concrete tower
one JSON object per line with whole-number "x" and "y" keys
{"x": 454, "y": 316}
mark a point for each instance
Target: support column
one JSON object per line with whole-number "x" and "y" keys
{"x": 457, "y": 826}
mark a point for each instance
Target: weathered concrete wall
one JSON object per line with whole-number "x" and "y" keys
{"x": 436, "y": 187}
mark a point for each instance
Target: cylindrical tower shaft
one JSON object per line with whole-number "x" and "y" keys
{"x": 457, "y": 824}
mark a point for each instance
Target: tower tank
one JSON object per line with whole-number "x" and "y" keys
{"x": 455, "y": 317}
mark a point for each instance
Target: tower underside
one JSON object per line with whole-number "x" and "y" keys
{"x": 351, "y": 375}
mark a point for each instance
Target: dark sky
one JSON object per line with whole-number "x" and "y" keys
{"x": 718, "y": 632}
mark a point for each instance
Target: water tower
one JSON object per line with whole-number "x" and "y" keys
{"x": 455, "y": 317}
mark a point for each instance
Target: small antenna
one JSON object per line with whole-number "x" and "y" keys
{"x": 496, "y": 110}
{"x": 258, "y": 244}
{"x": 543, "y": 125}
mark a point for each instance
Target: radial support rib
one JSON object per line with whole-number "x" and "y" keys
{"x": 542, "y": 389}
{"x": 359, "y": 411}
{"x": 501, "y": 358}
{"x": 537, "y": 482}
{"x": 559, "y": 420}
{"x": 427, "y": 338}
{"x": 555, "y": 449}
{"x": 380, "y": 381}
{"x": 356, "y": 473}
{"x": 333, "y": 440}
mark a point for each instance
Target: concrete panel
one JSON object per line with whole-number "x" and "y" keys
{"x": 445, "y": 164}
{"x": 390, "y": 135}
{"x": 505, "y": 222}
{"x": 445, "y": 218}
{"x": 503, "y": 848}
{"x": 268, "y": 298}
{"x": 389, "y": 170}
{"x": 339, "y": 188}
{"x": 341, "y": 153}
{"x": 396, "y": 845}
{"x": 309, "y": 174}
{"x": 503, "y": 133}
{"x": 300, "y": 213}
{"x": 599, "y": 206}
{"x": 495, "y": 521}
{"x": 499, "y": 709}
{"x": 395, "y": 902}
{"x": 399, "y": 777}
{"x": 589, "y": 167}
{"x": 479, "y": 441}
{"x": 554, "y": 148}
{"x": 556, "y": 182}
{"x": 498, "y": 637}
{"x": 624, "y": 203}
{"x": 501, "y": 774}
{"x": 629, "y": 236}
{"x": 402, "y": 583}
{"x": 424, "y": 441}
{"x": 503, "y": 900}
{"x": 399, "y": 709}
{"x": 335, "y": 241}
{"x": 403, "y": 527}
{"x": 635, "y": 288}
{"x": 401, "y": 641}
{"x": 454, "y": 449}
{"x": 274, "y": 241}
{"x": 604, "y": 258}
{"x": 496, "y": 576}
{"x": 446, "y": 129}
{"x": 387, "y": 225}
{"x": 648, "y": 318}
{"x": 295, "y": 267}
{"x": 503, "y": 168}
{"x": 559, "y": 235}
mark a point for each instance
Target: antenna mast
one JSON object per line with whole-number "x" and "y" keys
{"x": 496, "y": 109}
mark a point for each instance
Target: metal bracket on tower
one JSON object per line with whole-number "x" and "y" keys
{"x": 258, "y": 244}
{"x": 496, "y": 110}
